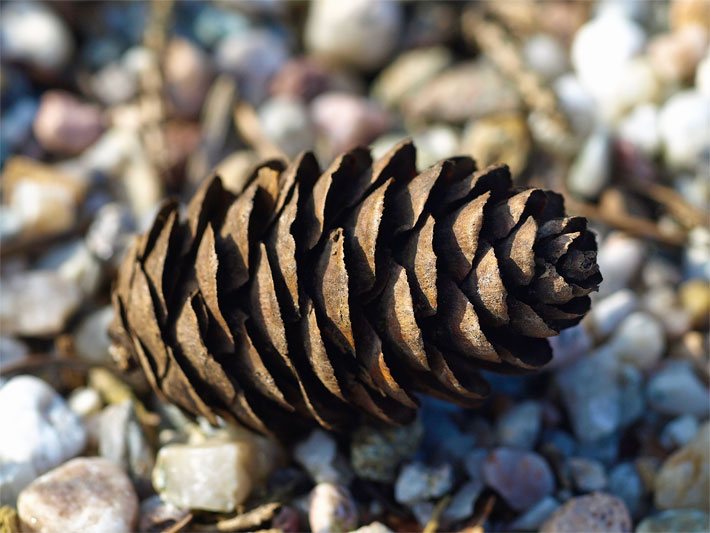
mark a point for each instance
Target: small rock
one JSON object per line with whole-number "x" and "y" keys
{"x": 212, "y": 24}
{"x": 571, "y": 344}
{"x": 577, "y": 103}
{"x": 461, "y": 506}
{"x": 496, "y": 138}
{"x": 545, "y": 55}
{"x": 331, "y": 509}
{"x": 123, "y": 441}
{"x": 640, "y": 128}
{"x": 434, "y": 144}
{"x": 76, "y": 265}
{"x": 620, "y": 258}
{"x": 157, "y": 515}
{"x": 639, "y": 340}
{"x": 675, "y": 521}
{"x": 596, "y": 512}
{"x": 110, "y": 232}
{"x": 39, "y": 433}
{"x": 12, "y": 350}
{"x": 85, "y": 494}
{"x": 695, "y": 297}
{"x": 409, "y": 72}
{"x": 362, "y": 33}
{"x": 696, "y": 257}
{"x": 590, "y": 171}
{"x": 286, "y": 123}
{"x": 304, "y": 78}
{"x": 423, "y": 512}
{"x": 418, "y": 482}
{"x": 375, "y": 527}
{"x": 521, "y": 478}
{"x": 42, "y": 209}
{"x": 684, "y": 479}
{"x": 676, "y": 390}
{"x": 604, "y": 449}
{"x": 31, "y": 33}
{"x": 608, "y": 312}
{"x": 85, "y": 402}
{"x": 679, "y": 432}
{"x": 588, "y": 475}
{"x": 375, "y": 453}
{"x": 536, "y": 515}
{"x": 675, "y": 56}
{"x": 318, "y": 455}
{"x": 91, "y": 340}
{"x": 188, "y": 74}
{"x": 625, "y": 483}
{"x": 632, "y": 402}
{"x": 288, "y": 520}
{"x": 683, "y": 126}
{"x": 114, "y": 84}
{"x": 359, "y": 120}
{"x": 66, "y": 126}
{"x": 37, "y": 303}
{"x": 519, "y": 427}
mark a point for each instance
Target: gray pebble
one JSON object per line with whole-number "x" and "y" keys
{"x": 519, "y": 427}
{"x": 418, "y": 482}
{"x": 675, "y": 521}
{"x": 679, "y": 432}
{"x": 521, "y": 478}
{"x": 318, "y": 455}
{"x": 676, "y": 390}
{"x": 91, "y": 340}
{"x": 590, "y": 172}
{"x": 461, "y": 505}
{"x": 626, "y": 484}
{"x": 588, "y": 475}
{"x": 375, "y": 453}
{"x": 536, "y": 515}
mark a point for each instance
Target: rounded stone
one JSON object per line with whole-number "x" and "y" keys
{"x": 594, "y": 513}
{"x": 675, "y": 521}
{"x": 683, "y": 127}
{"x": 521, "y": 478}
{"x": 65, "y": 125}
{"x": 92, "y": 495}
{"x": 639, "y": 340}
{"x": 331, "y": 509}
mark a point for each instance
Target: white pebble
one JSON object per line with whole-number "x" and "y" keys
{"x": 545, "y": 55}
{"x": 640, "y": 128}
{"x": 620, "y": 258}
{"x": 418, "y": 482}
{"x": 91, "y": 339}
{"x": 39, "y": 432}
{"x": 331, "y": 508}
{"x": 639, "y": 340}
{"x": 317, "y": 455}
{"x": 85, "y": 401}
{"x": 590, "y": 172}
{"x": 287, "y": 124}
{"x": 608, "y": 312}
{"x": 676, "y": 390}
{"x": 684, "y": 129}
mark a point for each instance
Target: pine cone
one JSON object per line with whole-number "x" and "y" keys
{"x": 317, "y": 296}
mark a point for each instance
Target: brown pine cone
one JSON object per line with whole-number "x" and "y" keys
{"x": 317, "y": 296}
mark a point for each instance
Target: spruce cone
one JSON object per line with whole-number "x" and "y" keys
{"x": 317, "y": 296}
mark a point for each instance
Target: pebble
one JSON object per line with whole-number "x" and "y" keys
{"x": 683, "y": 124}
{"x": 75, "y": 264}
{"x": 91, "y": 340}
{"x": 359, "y": 120}
{"x": 463, "y": 501}
{"x": 375, "y": 453}
{"x": 519, "y": 427}
{"x": 702, "y": 77}
{"x": 374, "y": 527}
{"x": 286, "y": 123}
{"x": 31, "y": 33}
{"x": 418, "y": 482}
{"x": 636, "y": 84}
{"x": 588, "y": 475}
{"x": 331, "y": 509}
{"x": 304, "y": 78}
{"x": 608, "y": 312}
{"x": 497, "y": 138}
{"x": 675, "y": 521}
{"x": 662, "y": 302}
{"x": 533, "y": 518}
{"x": 252, "y": 58}
{"x": 360, "y": 33}
{"x": 42, "y": 208}
{"x": 591, "y": 395}
{"x": 590, "y": 171}
{"x": 598, "y": 512}
{"x": 110, "y": 232}
{"x": 696, "y": 256}
{"x": 577, "y": 103}
{"x": 408, "y": 72}
{"x": 521, "y": 478}
{"x": 625, "y": 483}
{"x": 620, "y": 258}
{"x": 188, "y": 74}
{"x": 65, "y": 125}
{"x": 434, "y": 144}
{"x": 39, "y": 432}
{"x": 684, "y": 478}
{"x": 695, "y": 298}
{"x": 123, "y": 441}
{"x": 640, "y": 128}
{"x": 114, "y": 84}
{"x": 92, "y": 495}
{"x": 546, "y": 56}
{"x": 318, "y": 455}
{"x": 570, "y": 344}
{"x": 12, "y": 350}
{"x": 676, "y": 390}
{"x": 211, "y": 25}
{"x": 85, "y": 402}
{"x": 37, "y": 303}
{"x": 639, "y": 340}
{"x": 17, "y": 123}
{"x": 675, "y": 56}
{"x": 679, "y": 432}
{"x": 632, "y": 402}
{"x": 157, "y": 515}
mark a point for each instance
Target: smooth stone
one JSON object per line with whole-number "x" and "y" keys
{"x": 597, "y": 512}
{"x": 640, "y": 128}
{"x": 679, "y": 432}
{"x": 632, "y": 401}
{"x": 85, "y": 402}
{"x": 626, "y": 484}
{"x": 620, "y": 258}
{"x": 85, "y": 494}
{"x": 639, "y": 340}
{"x": 418, "y": 482}
{"x": 12, "y": 350}
{"x": 123, "y": 441}
{"x": 318, "y": 455}
{"x": 695, "y": 298}
{"x": 374, "y": 527}
{"x": 696, "y": 256}
{"x": 91, "y": 340}
{"x": 463, "y": 501}
{"x": 684, "y": 478}
{"x": 662, "y": 303}
{"x": 434, "y": 144}
{"x": 577, "y": 103}
{"x": 155, "y": 514}
{"x": 588, "y": 475}
{"x": 31, "y": 33}
{"x": 604, "y": 449}
{"x": 570, "y": 344}
{"x": 683, "y": 125}
{"x": 304, "y": 78}
{"x": 533, "y": 518}
{"x": 473, "y": 463}
{"x": 675, "y": 56}
{"x": 39, "y": 432}
{"x": 545, "y": 55}
{"x": 608, "y": 312}
{"x": 43, "y": 209}
{"x": 65, "y": 125}
{"x": 496, "y": 138}
{"x": 559, "y": 442}
{"x": 675, "y": 521}
{"x": 77, "y": 265}
{"x": 212, "y": 24}
{"x": 409, "y": 71}
{"x": 287, "y": 124}
{"x": 676, "y": 390}
{"x": 188, "y": 73}
{"x": 359, "y": 120}
{"x": 331, "y": 509}
{"x": 635, "y": 85}
{"x": 110, "y": 232}
{"x": 37, "y": 303}
{"x": 591, "y": 395}
{"x": 17, "y": 122}
{"x": 520, "y": 426}
{"x": 590, "y": 171}
{"x": 114, "y": 84}
{"x": 375, "y": 453}
{"x": 521, "y": 478}
{"x": 359, "y": 33}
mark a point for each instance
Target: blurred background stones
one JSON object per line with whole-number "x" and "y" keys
{"x": 108, "y": 108}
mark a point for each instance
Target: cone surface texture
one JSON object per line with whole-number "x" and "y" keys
{"x": 304, "y": 295}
